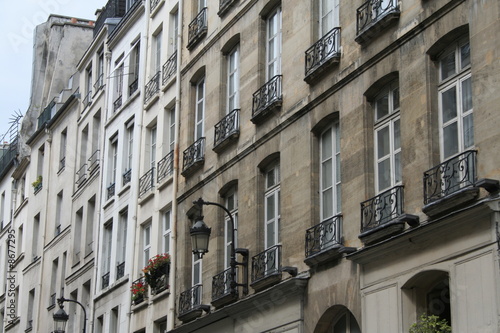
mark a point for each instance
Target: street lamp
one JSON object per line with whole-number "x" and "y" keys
{"x": 61, "y": 317}
{"x": 200, "y": 234}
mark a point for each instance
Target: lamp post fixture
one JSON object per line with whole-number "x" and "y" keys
{"x": 200, "y": 234}
{"x": 61, "y": 317}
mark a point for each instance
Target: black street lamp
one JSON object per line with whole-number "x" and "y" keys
{"x": 200, "y": 234}
{"x": 61, "y": 317}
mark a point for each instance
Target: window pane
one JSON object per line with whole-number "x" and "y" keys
{"x": 270, "y": 235}
{"x": 383, "y": 142}
{"x": 326, "y": 145}
{"x": 449, "y": 104}
{"x": 465, "y": 55}
{"x": 382, "y": 106}
{"x": 270, "y": 208}
{"x": 466, "y": 95}
{"x": 397, "y": 167}
{"x": 397, "y": 135}
{"x": 395, "y": 99}
{"x": 450, "y": 138}
{"x": 448, "y": 65}
{"x": 468, "y": 131}
{"x": 384, "y": 174}
{"x": 327, "y": 203}
{"x": 326, "y": 174}
{"x": 270, "y": 179}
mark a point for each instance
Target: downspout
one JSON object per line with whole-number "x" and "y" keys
{"x": 173, "y": 268}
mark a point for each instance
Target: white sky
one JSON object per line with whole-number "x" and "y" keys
{"x": 18, "y": 19}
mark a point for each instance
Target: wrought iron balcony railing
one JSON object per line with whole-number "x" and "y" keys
{"x": 373, "y": 11}
{"x": 158, "y": 280}
{"x": 450, "y": 176}
{"x": 169, "y": 68}
{"x": 120, "y": 270}
{"x": 99, "y": 83}
{"x": 323, "y": 236}
{"x": 197, "y": 28}
{"x": 126, "y": 177}
{"x": 268, "y": 95}
{"x": 117, "y": 103}
{"x": 81, "y": 175}
{"x": 266, "y": 263}
{"x": 194, "y": 154}
{"x": 153, "y": 4}
{"x": 190, "y": 299}
{"x": 110, "y": 191}
{"x": 382, "y": 208}
{"x": 166, "y": 166}
{"x": 224, "y": 6}
{"x": 9, "y": 155}
{"x": 93, "y": 161}
{"x": 105, "y": 281}
{"x": 132, "y": 88}
{"x": 88, "y": 99}
{"x": 47, "y": 113}
{"x": 139, "y": 290}
{"x": 152, "y": 87}
{"x": 323, "y": 51}
{"x": 146, "y": 182}
{"x": 221, "y": 285}
{"x": 227, "y": 127}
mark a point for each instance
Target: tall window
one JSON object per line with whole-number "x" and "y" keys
{"x": 156, "y": 53}
{"x": 273, "y": 43}
{"x": 455, "y": 100}
{"x": 89, "y": 82}
{"x": 167, "y": 231}
{"x": 113, "y": 159}
{"x": 200, "y": 109}
{"x": 134, "y": 66}
{"x": 122, "y": 237}
{"x": 231, "y": 203}
{"x": 233, "y": 80}
{"x": 201, "y": 4}
{"x": 146, "y": 243}
{"x": 59, "y": 209}
{"x": 330, "y": 172}
{"x": 130, "y": 145}
{"x": 272, "y": 206}
{"x": 174, "y": 30}
{"x": 62, "y": 149}
{"x": 36, "y": 231}
{"x": 387, "y": 138}
{"x": 152, "y": 140}
{"x": 107, "y": 246}
{"x": 328, "y": 16}
{"x": 171, "y": 128}
{"x": 100, "y": 69}
{"x": 118, "y": 80}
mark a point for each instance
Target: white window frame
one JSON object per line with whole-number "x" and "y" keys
{"x": 171, "y": 128}
{"x": 272, "y": 192}
{"x": 273, "y": 43}
{"x": 107, "y": 247}
{"x": 231, "y": 203}
{"x": 129, "y": 130}
{"x": 156, "y": 56}
{"x": 153, "y": 140}
{"x": 146, "y": 243}
{"x": 199, "y": 130}
{"x": 328, "y": 16}
{"x": 330, "y": 163}
{"x": 167, "y": 231}
{"x": 113, "y": 158}
{"x": 233, "y": 80}
{"x": 122, "y": 237}
{"x": 174, "y": 31}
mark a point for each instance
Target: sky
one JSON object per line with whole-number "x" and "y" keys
{"x": 17, "y": 22}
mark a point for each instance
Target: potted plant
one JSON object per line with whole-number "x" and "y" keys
{"x": 138, "y": 290}
{"x": 157, "y": 267}
{"x": 430, "y": 324}
{"x": 37, "y": 182}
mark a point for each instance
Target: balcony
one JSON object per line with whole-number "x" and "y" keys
{"x": 190, "y": 306}
{"x": 166, "y": 166}
{"x": 169, "y": 68}
{"x": 87, "y": 101}
{"x": 139, "y": 289}
{"x": 93, "y": 161}
{"x": 132, "y": 88}
{"x": 266, "y": 268}
{"x": 322, "y": 55}
{"x": 146, "y": 182}
{"x": 158, "y": 279}
{"x": 81, "y": 175}
{"x": 227, "y": 129}
{"x": 222, "y": 292}
{"x": 193, "y": 157}
{"x": 117, "y": 103}
{"x": 110, "y": 191}
{"x": 454, "y": 183}
{"x": 152, "y": 88}
{"x": 105, "y": 281}
{"x": 9, "y": 153}
{"x": 373, "y": 16}
{"x": 120, "y": 270}
{"x": 114, "y": 8}
{"x": 153, "y": 4}
{"x": 267, "y": 99}
{"x": 224, "y": 6}
{"x": 47, "y": 113}
{"x": 99, "y": 83}
{"x": 383, "y": 216}
{"x": 126, "y": 177}
{"x": 197, "y": 29}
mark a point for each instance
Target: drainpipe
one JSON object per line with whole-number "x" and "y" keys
{"x": 173, "y": 268}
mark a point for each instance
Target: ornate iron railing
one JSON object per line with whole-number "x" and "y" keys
{"x": 165, "y": 166}
{"x": 323, "y": 50}
{"x": 81, "y": 175}
{"x": 117, "y": 103}
{"x": 158, "y": 280}
{"x": 228, "y": 126}
{"x": 224, "y": 6}
{"x": 450, "y": 176}
{"x": 169, "y": 67}
{"x": 221, "y": 284}
{"x": 120, "y": 270}
{"x": 88, "y": 99}
{"x": 9, "y": 154}
{"x": 266, "y": 263}
{"x": 197, "y": 27}
{"x": 152, "y": 87}
{"x": 110, "y": 191}
{"x": 99, "y": 83}
{"x": 323, "y": 236}
{"x": 94, "y": 161}
{"x": 146, "y": 182}
{"x": 132, "y": 88}
{"x": 190, "y": 299}
{"x": 105, "y": 281}
{"x": 153, "y": 4}
{"x": 267, "y": 95}
{"x": 127, "y": 177}
{"x": 139, "y": 290}
{"x": 382, "y": 208}
{"x": 194, "y": 153}
{"x": 372, "y": 11}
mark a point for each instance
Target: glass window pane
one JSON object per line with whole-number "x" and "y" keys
{"x": 326, "y": 174}
{"x": 395, "y": 99}
{"x": 383, "y": 142}
{"x": 465, "y": 55}
{"x": 397, "y": 168}
{"x": 382, "y": 105}
{"x": 450, "y": 140}
{"x": 397, "y": 135}
{"x": 270, "y": 178}
{"x": 449, "y": 104}
{"x": 326, "y": 145}
{"x": 270, "y": 208}
{"x": 468, "y": 131}
{"x": 466, "y": 95}
{"x": 448, "y": 65}
{"x": 384, "y": 174}
{"x": 270, "y": 235}
{"x": 327, "y": 202}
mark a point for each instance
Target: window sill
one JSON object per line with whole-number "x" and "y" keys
{"x": 266, "y": 281}
{"x": 332, "y": 253}
{"x": 157, "y": 9}
{"x": 261, "y": 115}
{"x": 373, "y": 30}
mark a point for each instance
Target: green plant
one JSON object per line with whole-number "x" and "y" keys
{"x": 37, "y": 182}
{"x": 155, "y": 263}
{"x": 430, "y": 324}
{"x": 138, "y": 290}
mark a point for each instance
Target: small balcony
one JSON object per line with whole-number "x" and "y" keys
{"x": 383, "y": 216}
{"x": 193, "y": 157}
{"x": 152, "y": 88}
{"x": 117, "y": 103}
{"x": 81, "y": 175}
{"x": 99, "y": 83}
{"x": 146, "y": 182}
{"x": 224, "y": 6}
{"x": 226, "y": 130}
{"x": 266, "y": 268}
{"x": 190, "y": 306}
{"x": 267, "y": 99}
{"x": 153, "y": 4}
{"x": 166, "y": 166}
{"x": 120, "y": 270}
{"x": 322, "y": 55}
{"x": 373, "y": 16}
{"x": 126, "y": 177}
{"x": 222, "y": 291}
{"x": 453, "y": 183}
{"x": 110, "y": 191}
{"x": 158, "y": 279}
{"x": 87, "y": 101}
{"x": 169, "y": 68}
{"x": 93, "y": 162}
{"x": 132, "y": 88}
{"x": 47, "y": 113}
{"x": 105, "y": 281}
{"x": 139, "y": 290}
{"x": 197, "y": 29}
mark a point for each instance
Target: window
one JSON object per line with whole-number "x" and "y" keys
{"x": 107, "y": 247}
{"x": 62, "y": 149}
{"x": 231, "y": 203}
{"x": 100, "y": 325}
{"x": 171, "y": 128}
{"x": 89, "y": 83}
{"x": 100, "y": 70}
{"x": 174, "y": 31}
{"x": 455, "y": 100}
{"x": 272, "y": 206}
{"x": 59, "y": 208}
{"x": 31, "y": 302}
{"x": 134, "y": 66}
{"x": 273, "y": 44}
{"x": 196, "y": 279}
{"x": 161, "y": 326}
{"x": 387, "y": 138}
{"x": 36, "y": 231}
{"x": 152, "y": 140}
{"x": 167, "y": 231}
{"x": 201, "y": 4}
{"x": 156, "y": 53}
{"x": 113, "y": 159}
{"x": 233, "y": 80}
{"x": 89, "y": 228}
{"x": 118, "y": 80}
{"x": 122, "y": 243}
{"x": 77, "y": 235}
{"x": 129, "y": 133}
{"x": 113, "y": 321}
{"x": 146, "y": 243}
{"x": 330, "y": 187}
{"x": 200, "y": 109}
{"x": 328, "y": 16}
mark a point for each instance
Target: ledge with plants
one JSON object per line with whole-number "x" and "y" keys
{"x": 156, "y": 272}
